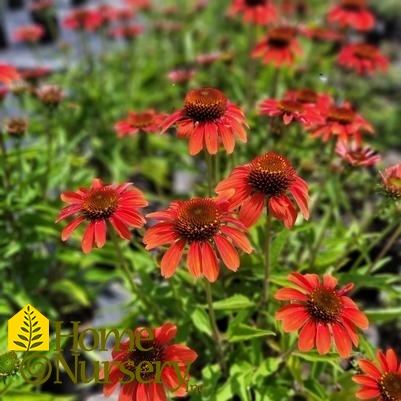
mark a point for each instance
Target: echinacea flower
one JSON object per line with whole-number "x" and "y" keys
{"x": 357, "y": 156}
{"x": 117, "y": 204}
{"x": 267, "y": 180}
{"x": 291, "y": 110}
{"x": 28, "y": 33}
{"x": 127, "y": 32}
{"x": 50, "y": 94}
{"x": 363, "y": 58}
{"x": 180, "y": 75}
{"x": 8, "y": 74}
{"x": 146, "y": 121}
{"x": 259, "y": 12}
{"x": 204, "y": 225}
{"x": 344, "y": 122}
{"x": 16, "y": 126}
{"x": 352, "y": 13}
{"x": 279, "y": 47}
{"x": 174, "y": 361}
{"x": 83, "y": 19}
{"x": 320, "y": 311}
{"x": 208, "y": 119}
{"x": 380, "y": 381}
{"x": 391, "y": 181}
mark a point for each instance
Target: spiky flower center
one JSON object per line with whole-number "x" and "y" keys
{"x": 141, "y": 120}
{"x": 390, "y": 386}
{"x": 341, "y": 115}
{"x": 353, "y": 5}
{"x": 255, "y": 3}
{"x": 9, "y": 364}
{"x": 290, "y": 106}
{"x": 205, "y": 104}
{"x": 324, "y": 305}
{"x": 392, "y": 185}
{"x": 100, "y": 203}
{"x": 306, "y": 96}
{"x": 281, "y": 37}
{"x": 271, "y": 174}
{"x": 16, "y": 126}
{"x": 198, "y": 220}
{"x": 135, "y": 357}
{"x": 366, "y": 52}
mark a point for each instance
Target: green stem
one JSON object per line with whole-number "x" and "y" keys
{"x": 210, "y": 173}
{"x": 6, "y": 171}
{"x": 266, "y": 287}
{"x": 126, "y": 272}
{"x": 215, "y": 331}
{"x": 49, "y": 151}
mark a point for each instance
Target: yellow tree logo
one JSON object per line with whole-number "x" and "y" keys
{"x": 28, "y": 330}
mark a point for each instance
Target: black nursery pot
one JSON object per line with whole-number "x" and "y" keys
{"x": 77, "y": 2}
{"x": 15, "y": 4}
{"x": 3, "y": 37}
{"x": 50, "y": 26}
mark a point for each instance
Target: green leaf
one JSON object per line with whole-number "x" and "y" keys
{"x": 31, "y": 396}
{"x": 36, "y": 337}
{"x": 244, "y": 332}
{"x": 201, "y": 321}
{"x": 233, "y": 303}
{"x": 36, "y": 344}
{"x": 20, "y": 344}
{"x": 22, "y": 337}
{"x": 74, "y": 290}
{"x": 383, "y": 315}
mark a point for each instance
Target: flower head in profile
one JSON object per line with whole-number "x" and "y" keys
{"x": 16, "y": 126}
{"x": 50, "y": 95}
{"x": 267, "y": 180}
{"x": 320, "y": 311}
{"x": 343, "y": 122}
{"x": 146, "y": 121}
{"x": 205, "y": 226}
{"x": 357, "y": 156}
{"x": 380, "y": 381}
{"x": 363, "y": 58}
{"x": 156, "y": 352}
{"x": 279, "y": 47}
{"x": 99, "y": 204}
{"x": 352, "y": 13}
{"x": 259, "y": 12}
{"x": 83, "y": 19}
{"x": 208, "y": 119}
{"x": 391, "y": 181}
{"x": 28, "y": 33}
{"x": 180, "y": 75}
{"x": 290, "y": 110}
{"x": 8, "y": 74}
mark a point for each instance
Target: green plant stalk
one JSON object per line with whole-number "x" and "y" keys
{"x": 215, "y": 331}
{"x": 126, "y": 272}
{"x": 6, "y": 170}
{"x": 49, "y": 150}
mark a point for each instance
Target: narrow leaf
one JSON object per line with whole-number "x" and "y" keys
{"x": 22, "y": 337}
{"x": 36, "y": 337}
{"x": 36, "y": 344}
{"x": 20, "y": 344}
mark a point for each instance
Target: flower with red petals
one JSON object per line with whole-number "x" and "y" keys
{"x": 344, "y": 122}
{"x": 101, "y": 204}
{"x": 28, "y": 33}
{"x": 363, "y": 58}
{"x": 204, "y": 225}
{"x": 357, "y": 156}
{"x": 380, "y": 381}
{"x": 143, "y": 5}
{"x": 352, "y": 13}
{"x": 321, "y": 33}
{"x": 127, "y": 32}
{"x": 8, "y": 74}
{"x": 259, "y": 12}
{"x": 321, "y": 312}
{"x": 391, "y": 181}
{"x": 291, "y": 110}
{"x": 157, "y": 353}
{"x": 83, "y": 19}
{"x": 208, "y": 119}
{"x": 279, "y": 47}
{"x": 146, "y": 121}
{"x": 266, "y": 180}
{"x": 180, "y": 75}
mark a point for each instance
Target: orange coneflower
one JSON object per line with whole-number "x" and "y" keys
{"x": 279, "y": 47}
{"x": 99, "y": 204}
{"x": 320, "y": 311}
{"x": 204, "y": 225}
{"x": 266, "y": 180}
{"x": 391, "y": 181}
{"x": 380, "y": 381}
{"x": 8, "y": 74}
{"x": 357, "y": 156}
{"x": 28, "y": 33}
{"x": 362, "y": 58}
{"x": 290, "y": 110}
{"x": 352, "y": 13}
{"x": 146, "y": 121}
{"x": 160, "y": 354}
{"x": 208, "y": 119}
{"x": 259, "y": 12}
{"x": 342, "y": 121}
{"x": 83, "y": 19}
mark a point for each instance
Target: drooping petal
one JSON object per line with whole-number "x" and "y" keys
{"x": 342, "y": 340}
{"x": 307, "y": 336}
{"x": 120, "y": 227}
{"x": 194, "y": 259}
{"x": 323, "y": 338}
{"x": 252, "y": 209}
{"x": 238, "y": 237}
{"x": 100, "y": 232}
{"x": 171, "y": 258}
{"x": 209, "y": 262}
{"x": 228, "y": 253}
{"x": 88, "y": 238}
{"x": 70, "y": 227}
